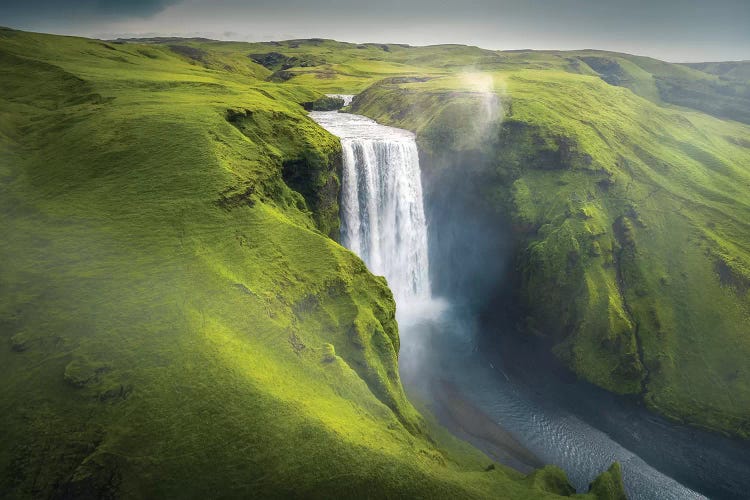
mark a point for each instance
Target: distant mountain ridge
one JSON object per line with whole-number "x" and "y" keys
{"x": 718, "y": 88}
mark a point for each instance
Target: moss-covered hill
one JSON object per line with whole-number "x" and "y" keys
{"x": 624, "y": 181}
{"x": 175, "y": 319}
{"x": 630, "y": 221}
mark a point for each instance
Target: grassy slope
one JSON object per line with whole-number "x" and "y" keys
{"x": 636, "y": 210}
{"x": 175, "y": 322}
{"x": 719, "y": 89}
{"x": 635, "y": 213}
{"x": 671, "y": 211}
{"x": 731, "y": 70}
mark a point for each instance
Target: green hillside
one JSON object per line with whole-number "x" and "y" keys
{"x": 730, "y": 70}
{"x": 630, "y": 221}
{"x": 721, "y": 90}
{"x": 628, "y": 200}
{"x": 176, "y": 320}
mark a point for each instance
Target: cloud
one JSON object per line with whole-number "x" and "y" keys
{"x": 24, "y": 11}
{"x": 141, "y": 8}
{"x": 677, "y": 30}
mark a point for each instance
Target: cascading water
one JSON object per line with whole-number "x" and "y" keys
{"x": 382, "y": 211}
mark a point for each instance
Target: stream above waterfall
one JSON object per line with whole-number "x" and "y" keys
{"x": 561, "y": 423}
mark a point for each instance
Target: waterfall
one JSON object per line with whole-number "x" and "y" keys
{"x": 346, "y": 97}
{"x": 382, "y": 210}
{"x": 383, "y": 221}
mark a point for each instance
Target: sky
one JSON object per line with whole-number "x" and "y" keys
{"x": 672, "y": 30}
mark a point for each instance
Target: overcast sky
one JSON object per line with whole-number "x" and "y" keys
{"x": 673, "y": 30}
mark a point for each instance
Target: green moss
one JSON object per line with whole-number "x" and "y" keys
{"x": 329, "y": 353}
{"x": 550, "y": 479}
{"x": 325, "y": 103}
{"x": 309, "y": 163}
{"x": 609, "y": 484}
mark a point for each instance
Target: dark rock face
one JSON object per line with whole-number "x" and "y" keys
{"x": 307, "y": 169}
{"x": 281, "y": 76}
{"x": 276, "y": 61}
{"x": 609, "y": 70}
{"x": 271, "y": 60}
{"x": 324, "y": 104}
{"x": 318, "y": 182}
{"x": 190, "y": 52}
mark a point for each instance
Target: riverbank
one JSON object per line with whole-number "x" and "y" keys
{"x": 466, "y": 420}
{"x": 445, "y": 345}
{"x": 708, "y": 462}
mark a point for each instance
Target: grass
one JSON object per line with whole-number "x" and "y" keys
{"x": 631, "y": 227}
{"x": 177, "y": 321}
{"x": 704, "y": 87}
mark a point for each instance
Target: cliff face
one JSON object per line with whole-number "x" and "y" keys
{"x": 619, "y": 225}
{"x": 309, "y": 167}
